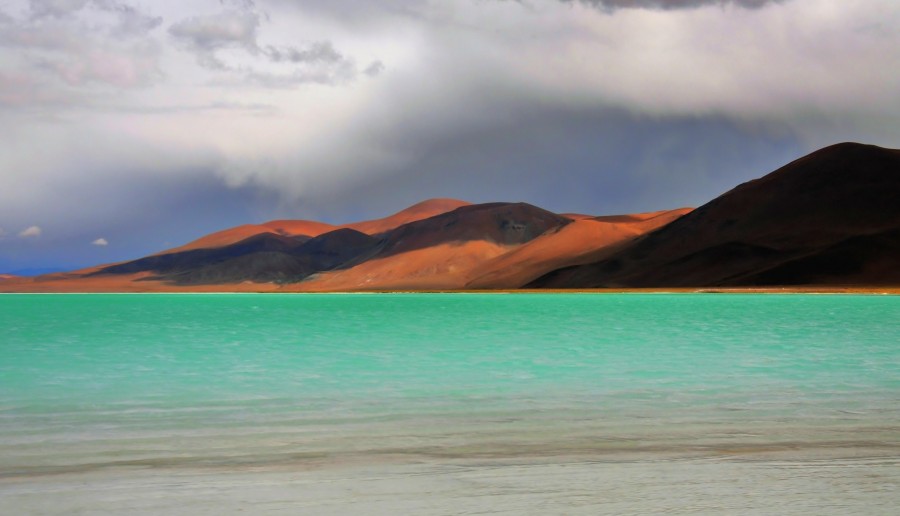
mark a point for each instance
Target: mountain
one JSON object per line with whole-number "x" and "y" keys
{"x": 439, "y": 252}
{"x": 576, "y": 243}
{"x": 270, "y": 257}
{"x": 311, "y": 228}
{"x": 829, "y": 218}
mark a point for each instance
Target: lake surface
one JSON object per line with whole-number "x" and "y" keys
{"x": 449, "y": 404}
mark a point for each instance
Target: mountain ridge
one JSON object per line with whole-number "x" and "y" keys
{"x": 842, "y": 191}
{"x": 830, "y": 218}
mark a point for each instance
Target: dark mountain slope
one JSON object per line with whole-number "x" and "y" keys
{"x": 261, "y": 258}
{"x": 270, "y": 257}
{"x": 828, "y": 218}
{"x": 499, "y": 223}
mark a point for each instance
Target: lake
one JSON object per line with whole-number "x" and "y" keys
{"x": 449, "y": 403}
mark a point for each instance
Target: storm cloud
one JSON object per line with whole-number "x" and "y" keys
{"x": 219, "y": 113}
{"x": 208, "y": 37}
{"x": 672, "y": 4}
{"x": 210, "y": 33}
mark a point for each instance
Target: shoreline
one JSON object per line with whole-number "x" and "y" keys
{"x": 212, "y": 289}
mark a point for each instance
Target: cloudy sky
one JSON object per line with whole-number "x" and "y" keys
{"x": 127, "y": 126}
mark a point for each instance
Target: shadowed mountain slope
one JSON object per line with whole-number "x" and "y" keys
{"x": 439, "y": 252}
{"x": 270, "y": 257}
{"x": 576, "y": 243}
{"x": 830, "y": 218}
{"x": 311, "y": 228}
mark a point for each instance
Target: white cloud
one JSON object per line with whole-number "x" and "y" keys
{"x": 100, "y": 242}
{"x": 67, "y": 47}
{"x": 31, "y": 232}
{"x": 229, "y": 42}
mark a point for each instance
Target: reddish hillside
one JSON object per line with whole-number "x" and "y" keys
{"x": 574, "y": 244}
{"x": 830, "y": 219}
{"x": 420, "y": 211}
{"x": 441, "y": 251}
{"x": 311, "y": 228}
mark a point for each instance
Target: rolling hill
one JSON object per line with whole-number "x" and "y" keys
{"x": 831, "y": 218}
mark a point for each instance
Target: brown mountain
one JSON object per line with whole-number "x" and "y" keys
{"x": 830, "y": 218}
{"x": 311, "y": 228}
{"x": 575, "y": 244}
{"x": 275, "y": 258}
{"x": 440, "y": 252}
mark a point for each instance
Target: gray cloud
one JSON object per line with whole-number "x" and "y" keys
{"x": 206, "y": 34}
{"x": 342, "y": 73}
{"x": 318, "y": 62}
{"x": 318, "y": 52}
{"x": 374, "y": 69}
{"x": 131, "y": 22}
{"x": 671, "y": 4}
{"x": 55, "y": 8}
{"x": 239, "y": 4}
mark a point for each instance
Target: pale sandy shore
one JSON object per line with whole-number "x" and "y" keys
{"x": 764, "y": 484}
{"x": 138, "y": 285}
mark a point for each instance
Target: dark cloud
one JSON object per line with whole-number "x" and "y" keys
{"x": 184, "y": 206}
{"x": 206, "y": 34}
{"x": 318, "y": 52}
{"x": 670, "y": 4}
{"x": 55, "y": 8}
{"x": 318, "y": 62}
{"x": 598, "y": 161}
{"x": 343, "y": 72}
{"x": 239, "y": 4}
{"x": 131, "y": 22}
{"x": 374, "y": 69}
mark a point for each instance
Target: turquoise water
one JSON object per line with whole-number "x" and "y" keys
{"x": 98, "y": 382}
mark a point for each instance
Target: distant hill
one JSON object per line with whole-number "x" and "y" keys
{"x": 311, "y": 228}
{"x": 271, "y": 257}
{"x": 33, "y": 271}
{"x": 830, "y": 218}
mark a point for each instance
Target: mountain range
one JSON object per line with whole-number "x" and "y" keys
{"x": 831, "y": 218}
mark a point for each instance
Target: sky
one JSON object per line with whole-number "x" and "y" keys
{"x": 130, "y": 126}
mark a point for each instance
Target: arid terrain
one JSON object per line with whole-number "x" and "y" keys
{"x": 829, "y": 221}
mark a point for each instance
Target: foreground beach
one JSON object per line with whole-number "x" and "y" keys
{"x": 746, "y": 483}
